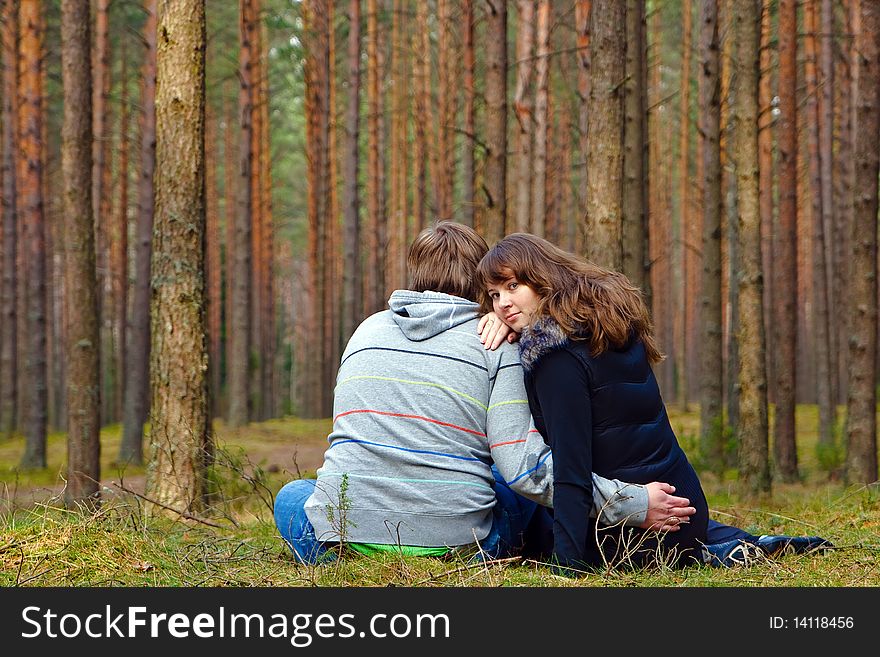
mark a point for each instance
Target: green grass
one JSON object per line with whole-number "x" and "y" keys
{"x": 11, "y": 451}
{"x": 273, "y": 445}
{"x": 42, "y": 544}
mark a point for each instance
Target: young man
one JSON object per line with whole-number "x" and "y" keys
{"x": 433, "y": 449}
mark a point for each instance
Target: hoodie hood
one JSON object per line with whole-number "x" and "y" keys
{"x": 422, "y": 315}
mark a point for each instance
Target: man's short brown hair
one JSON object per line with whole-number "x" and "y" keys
{"x": 444, "y": 258}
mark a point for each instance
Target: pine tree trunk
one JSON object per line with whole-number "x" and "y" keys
{"x": 50, "y": 215}
{"x": 711, "y": 375}
{"x": 230, "y": 175}
{"x": 242, "y": 287}
{"x": 180, "y": 427}
{"x": 470, "y": 124}
{"x": 542, "y": 119}
{"x": 21, "y": 294}
{"x": 827, "y": 173}
{"x": 765, "y": 177}
{"x": 48, "y": 202}
{"x": 647, "y": 263}
{"x": 785, "y": 252}
{"x": 582, "y": 26}
{"x": 351, "y": 284}
{"x": 309, "y": 338}
{"x": 287, "y": 384}
{"x": 257, "y": 265}
{"x": 634, "y": 167}
{"x": 318, "y": 76}
{"x": 551, "y": 174}
{"x": 551, "y": 177}
{"x": 30, "y": 193}
{"x": 382, "y": 183}
{"x": 806, "y": 350}
{"x": 421, "y": 41}
{"x": 82, "y": 346}
{"x": 121, "y": 246}
{"x": 693, "y": 235}
{"x": 655, "y": 193}
{"x": 374, "y": 269}
{"x": 729, "y": 239}
{"x": 8, "y": 296}
{"x": 568, "y": 213}
{"x": 522, "y": 107}
{"x": 394, "y": 259}
{"x": 861, "y": 427}
{"x": 603, "y": 221}
{"x": 494, "y": 219}
{"x": 100, "y": 163}
{"x": 685, "y": 232}
{"x": 561, "y": 222}
{"x": 137, "y": 370}
{"x": 99, "y": 61}
{"x": 657, "y": 212}
{"x": 212, "y": 259}
{"x": 57, "y": 334}
{"x": 447, "y": 66}
{"x": 330, "y": 226}
{"x": 820, "y": 287}
{"x": 754, "y": 470}
{"x": 397, "y": 229}
{"x": 269, "y": 341}
{"x": 843, "y": 193}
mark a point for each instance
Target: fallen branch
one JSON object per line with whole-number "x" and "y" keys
{"x": 183, "y": 514}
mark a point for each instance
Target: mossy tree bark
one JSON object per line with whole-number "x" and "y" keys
{"x": 179, "y": 433}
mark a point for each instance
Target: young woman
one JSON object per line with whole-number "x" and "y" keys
{"x": 587, "y": 351}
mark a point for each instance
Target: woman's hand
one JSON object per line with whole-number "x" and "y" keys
{"x": 666, "y": 512}
{"x": 493, "y": 331}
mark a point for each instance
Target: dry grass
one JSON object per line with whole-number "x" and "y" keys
{"x": 42, "y": 544}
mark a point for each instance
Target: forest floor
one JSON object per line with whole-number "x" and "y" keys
{"x": 281, "y": 449}
{"x": 235, "y": 541}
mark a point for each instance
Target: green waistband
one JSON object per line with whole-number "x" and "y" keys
{"x": 405, "y": 550}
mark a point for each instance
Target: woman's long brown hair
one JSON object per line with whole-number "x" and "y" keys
{"x": 588, "y": 302}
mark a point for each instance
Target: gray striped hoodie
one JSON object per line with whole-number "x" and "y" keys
{"x": 421, "y": 413}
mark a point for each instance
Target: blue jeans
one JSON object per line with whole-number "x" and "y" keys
{"x": 519, "y": 525}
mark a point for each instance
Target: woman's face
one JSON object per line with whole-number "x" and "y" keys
{"x": 514, "y": 302}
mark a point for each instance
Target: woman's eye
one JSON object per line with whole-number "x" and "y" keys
{"x": 512, "y": 286}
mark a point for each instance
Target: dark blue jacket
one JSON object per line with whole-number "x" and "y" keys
{"x": 603, "y": 414}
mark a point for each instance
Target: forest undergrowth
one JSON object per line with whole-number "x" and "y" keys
{"x": 234, "y": 542}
